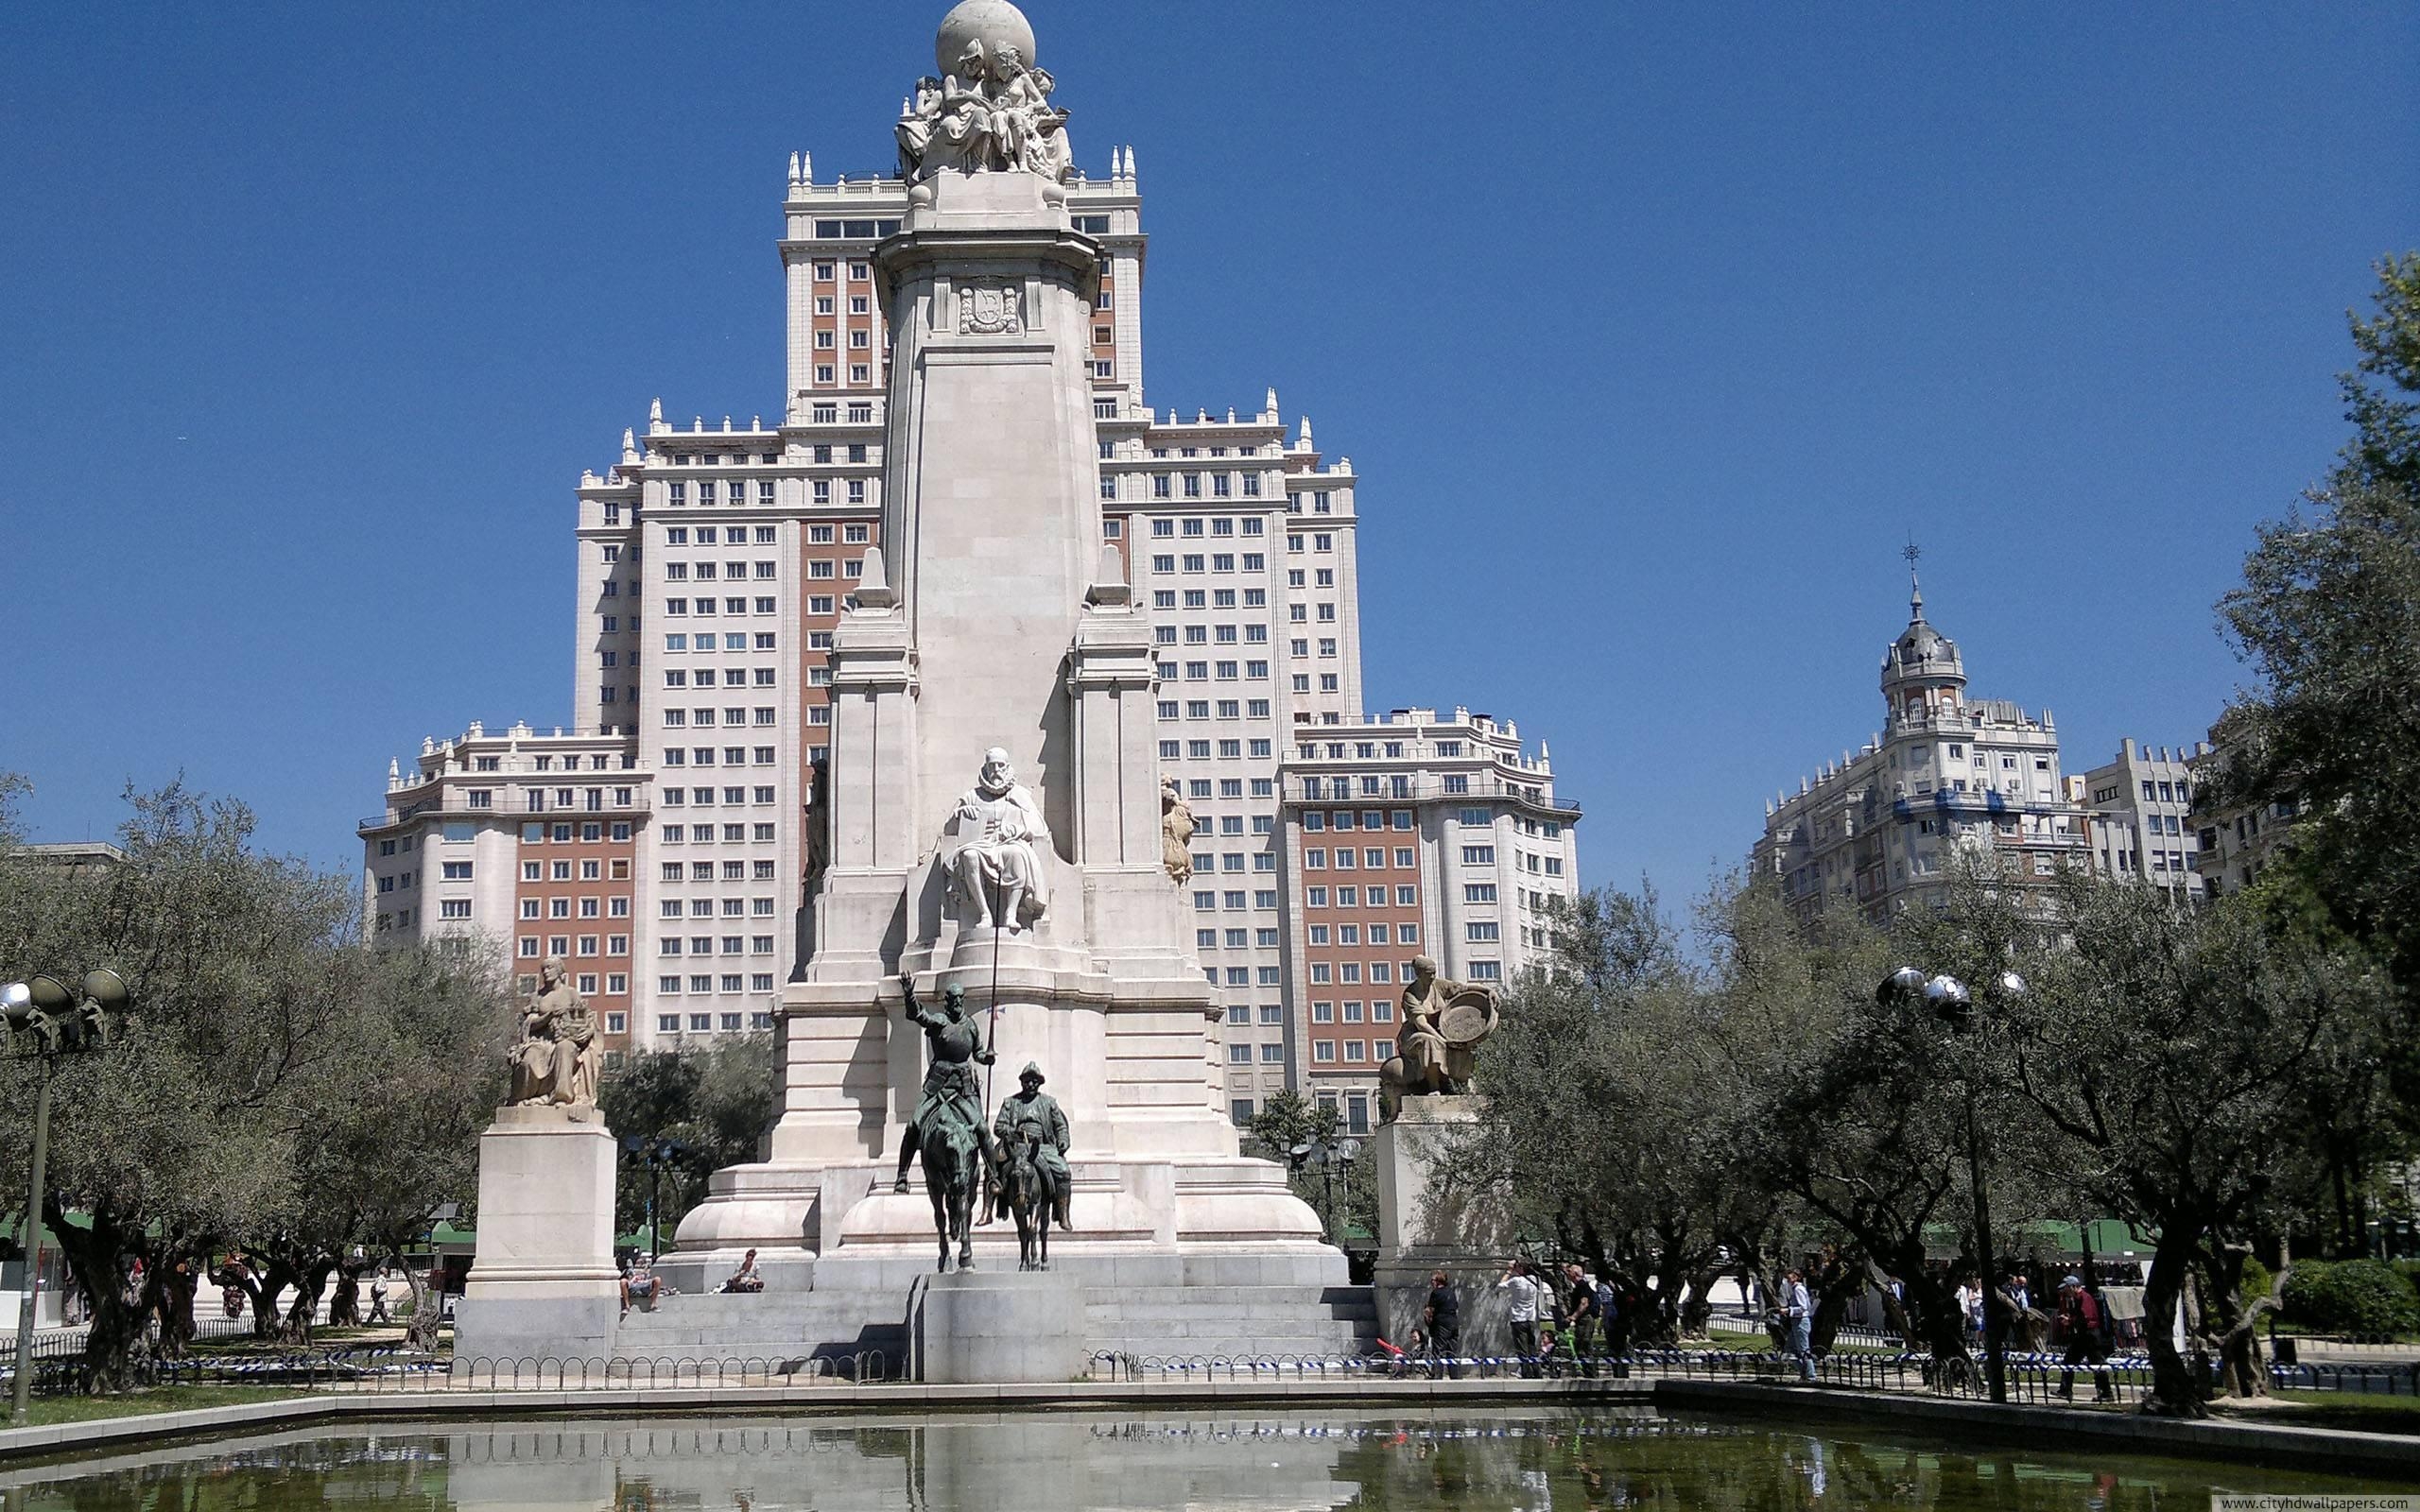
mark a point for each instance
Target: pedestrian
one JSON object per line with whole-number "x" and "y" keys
{"x": 1798, "y": 1313}
{"x": 747, "y": 1280}
{"x": 1528, "y": 1297}
{"x": 378, "y": 1297}
{"x": 1442, "y": 1316}
{"x": 1581, "y": 1313}
{"x": 2083, "y": 1316}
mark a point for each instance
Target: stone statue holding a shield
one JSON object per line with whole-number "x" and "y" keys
{"x": 1443, "y": 1022}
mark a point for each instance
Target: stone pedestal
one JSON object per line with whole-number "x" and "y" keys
{"x": 996, "y": 1327}
{"x": 1424, "y": 1226}
{"x": 543, "y": 1282}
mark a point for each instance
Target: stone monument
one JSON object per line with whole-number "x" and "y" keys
{"x": 543, "y": 1282}
{"x": 994, "y": 632}
{"x": 1427, "y": 1097}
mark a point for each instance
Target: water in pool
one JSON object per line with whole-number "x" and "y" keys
{"x": 1520, "y": 1461}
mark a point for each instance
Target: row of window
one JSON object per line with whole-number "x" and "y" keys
{"x": 1272, "y": 1014}
{"x": 1201, "y": 634}
{"x": 561, "y": 945}
{"x": 732, "y": 677}
{"x": 735, "y": 491}
{"x": 1381, "y": 1011}
{"x": 1217, "y": 525}
{"x": 1373, "y": 859}
{"x": 1200, "y": 672}
{"x": 729, "y": 982}
{"x": 1211, "y": 598}
{"x": 1404, "y": 896}
{"x": 732, "y": 755}
{"x": 705, "y": 798}
{"x": 1228, "y": 709}
{"x": 1236, "y": 939}
{"x": 1355, "y": 1051}
{"x": 1349, "y": 972}
{"x": 704, "y": 944}
{"x": 1379, "y": 933}
{"x": 1242, "y": 975}
{"x": 561, "y": 907}
{"x": 707, "y": 870}
{"x": 704, "y": 718}
{"x": 1209, "y": 901}
{"x": 708, "y": 1023}
{"x": 1229, "y": 787}
{"x": 704, "y": 907}
{"x": 677, "y": 571}
{"x": 1272, "y": 1052}
{"x": 704, "y": 834}
{"x": 1220, "y": 561}
{"x": 1344, "y": 819}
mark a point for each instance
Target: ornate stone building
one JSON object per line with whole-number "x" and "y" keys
{"x": 1879, "y": 827}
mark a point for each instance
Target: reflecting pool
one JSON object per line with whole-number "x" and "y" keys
{"x": 1517, "y": 1461}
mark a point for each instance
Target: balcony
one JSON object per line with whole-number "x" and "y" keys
{"x": 1433, "y": 789}
{"x": 514, "y": 804}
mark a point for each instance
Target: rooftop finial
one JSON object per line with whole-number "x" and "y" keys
{"x": 1915, "y": 589}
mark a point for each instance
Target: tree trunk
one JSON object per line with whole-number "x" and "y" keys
{"x": 1838, "y": 1281}
{"x": 344, "y": 1308}
{"x": 2177, "y": 1392}
{"x": 168, "y": 1292}
{"x": 421, "y": 1333}
{"x": 117, "y": 1355}
{"x": 1697, "y": 1305}
{"x": 295, "y": 1327}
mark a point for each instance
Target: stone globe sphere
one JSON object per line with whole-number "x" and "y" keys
{"x": 995, "y": 23}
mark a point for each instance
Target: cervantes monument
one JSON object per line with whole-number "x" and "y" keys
{"x": 992, "y": 817}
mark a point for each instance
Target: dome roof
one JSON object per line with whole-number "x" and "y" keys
{"x": 1921, "y": 651}
{"x": 995, "y": 23}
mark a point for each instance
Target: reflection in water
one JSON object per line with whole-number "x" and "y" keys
{"x": 1526, "y": 1461}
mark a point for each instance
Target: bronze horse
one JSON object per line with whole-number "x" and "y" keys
{"x": 952, "y": 1168}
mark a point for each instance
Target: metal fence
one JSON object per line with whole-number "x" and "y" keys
{"x": 393, "y": 1368}
{"x": 2042, "y": 1379}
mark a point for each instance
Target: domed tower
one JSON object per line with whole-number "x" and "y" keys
{"x": 1921, "y": 673}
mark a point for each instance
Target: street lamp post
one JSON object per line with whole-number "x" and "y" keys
{"x": 46, "y": 1019}
{"x": 654, "y": 1153}
{"x": 1329, "y": 1157}
{"x": 1950, "y": 999}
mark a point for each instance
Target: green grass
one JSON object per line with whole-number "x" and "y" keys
{"x": 2331, "y": 1409}
{"x": 47, "y": 1409}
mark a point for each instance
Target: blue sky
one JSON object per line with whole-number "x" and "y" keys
{"x": 1654, "y": 332}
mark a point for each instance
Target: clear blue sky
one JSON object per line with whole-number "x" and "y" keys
{"x": 1654, "y": 332}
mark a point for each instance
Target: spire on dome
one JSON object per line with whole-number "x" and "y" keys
{"x": 1916, "y": 589}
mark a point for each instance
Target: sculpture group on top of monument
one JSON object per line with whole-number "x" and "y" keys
{"x": 992, "y": 851}
{"x": 1442, "y": 1023}
{"x": 989, "y": 111}
{"x": 560, "y": 1054}
{"x": 1024, "y": 1150}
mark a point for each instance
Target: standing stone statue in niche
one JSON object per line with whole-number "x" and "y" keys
{"x": 993, "y": 849}
{"x": 1176, "y": 833}
{"x": 989, "y": 111}
{"x": 1442, "y": 1023}
{"x": 560, "y": 1054}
